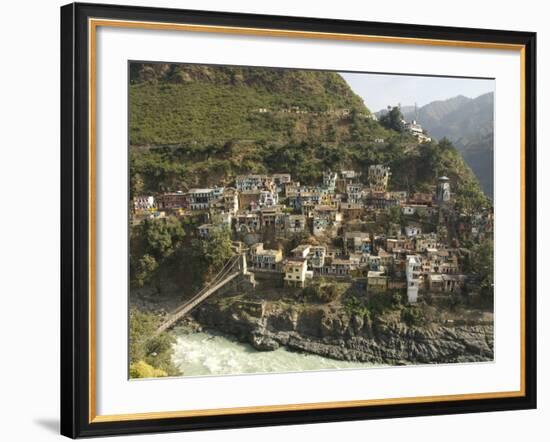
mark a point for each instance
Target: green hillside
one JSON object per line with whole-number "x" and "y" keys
{"x": 199, "y": 125}
{"x": 172, "y": 104}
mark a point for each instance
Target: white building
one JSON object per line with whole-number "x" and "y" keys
{"x": 413, "y": 268}
{"x": 316, "y": 257}
{"x": 412, "y": 230}
{"x": 408, "y": 210}
{"x": 302, "y": 251}
{"x": 281, "y": 180}
{"x": 264, "y": 259}
{"x": 416, "y": 129}
{"x": 374, "y": 262}
{"x": 268, "y": 198}
{"x": 425, "y": 242}
{"x": 247, "y": 222}
{"x": 217, "y": 192}
{"x": 329, "y": 180}
{"x": 253, "y": 182}
{"x": 337, "y": 267}
{"x": 349, "y": 174}
{"x": 200, "y": 199}
{"x": 296, "y": 272}
{"x": 144, "y": 202}
{"x": 443, "y": 190}
{"x": 413, "y": 127}
{"x": 354, "y": 193}
{"x": 295, "y": 223}
{"x": 231, "y": 200}
{"x": 379, "y": 176}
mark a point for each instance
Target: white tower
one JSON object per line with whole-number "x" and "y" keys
{"x": 413, "y": 267}
{"x": 443, "y": 190}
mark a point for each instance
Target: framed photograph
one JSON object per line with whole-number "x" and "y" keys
{"x": 279, "y": 220}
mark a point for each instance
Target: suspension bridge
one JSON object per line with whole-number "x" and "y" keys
{"x": 234, "y": 267}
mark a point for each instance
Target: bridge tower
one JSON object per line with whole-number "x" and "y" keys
{"x": 242, "y": 264}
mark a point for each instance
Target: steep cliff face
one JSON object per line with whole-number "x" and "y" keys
{"x": 336, "y": 334}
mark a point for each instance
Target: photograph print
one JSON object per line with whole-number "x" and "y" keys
{"x": 286, "y": 220}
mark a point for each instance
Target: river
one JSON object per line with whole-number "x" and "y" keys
{"x": 207, "y": 353}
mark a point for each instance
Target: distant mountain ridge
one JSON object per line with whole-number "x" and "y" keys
{"x": 468, "y": 124}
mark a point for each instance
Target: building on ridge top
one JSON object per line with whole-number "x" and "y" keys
{"x": 414, "y": 128}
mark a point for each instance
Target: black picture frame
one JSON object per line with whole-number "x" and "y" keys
{"x": 75, "y": 220}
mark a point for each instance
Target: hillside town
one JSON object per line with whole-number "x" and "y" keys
{"x": 278, "y": 223}
{"x": 347, "y": 227}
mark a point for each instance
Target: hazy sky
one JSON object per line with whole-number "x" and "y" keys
{"x": 380, "y": 90}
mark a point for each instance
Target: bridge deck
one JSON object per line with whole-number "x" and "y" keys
{"x": 226, "y": 275}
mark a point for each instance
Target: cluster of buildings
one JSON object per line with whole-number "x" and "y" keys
{"x": 414, "y": 128}
{"x": 338, "y": 225}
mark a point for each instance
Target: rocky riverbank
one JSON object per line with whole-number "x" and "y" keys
{"x": 331, "y": 331}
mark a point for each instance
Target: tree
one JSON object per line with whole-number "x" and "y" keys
{"x": 159, "y": 353}
{"x": 356, "y": 129}
{"x": 144, "y": 270}
{"x": 480, "y": 263}
{"x": 142, "y": 369}
{"x": 150, "y": 355}
{"x": 394, "y": 215}
{"x": 217, "y": 248}
{"x": 136, "y": 184}
{"x": 151, "y": 243}
{"x": 396, "y": 300}
{"x": 142, "y": 326}
{"x": 207, "y": 256}
{"x": 393, "y": 119}
{"x": 321, "y": 291}
{"x": 157, "y": 237}
{"x": 412, "y": 316}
